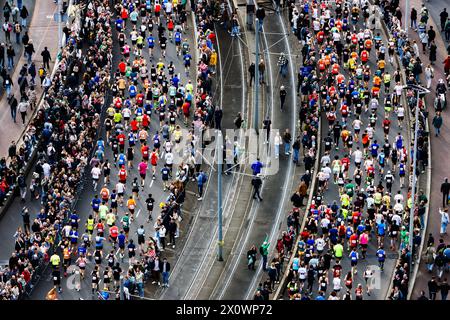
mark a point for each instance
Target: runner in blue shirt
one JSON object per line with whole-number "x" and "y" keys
{"x": 354, "y": 260}
{"x": 121, "y": 161}
{"x": 381, "y": 256}
{"x": 333, "y": 235}
{"x": 121, "y": 238}
{"x": 101, "y": 144}
{"x": 374, "y": 149}
{"x": 82, "y": 250}
{"x": 119, "y": 24}
{"x": 150, "y": 44}
{"x": 381, "y": 230}
{"x": 381, "y": 161}
{"x": 100, "y": 154}
{"x": 177, "y": 37}
{"x": 99, "y": 243}
{"x": 132, "y": 91}
{"x": 187, "y": 63}
{"x": 74, "y": 220}
{"x": 131, "y": 139}
{"x": 95, "y": 203}
{"x": 402, "y": 173}
{"x": 73, "y": 235}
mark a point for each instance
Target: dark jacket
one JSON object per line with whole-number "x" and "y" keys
{"x": 260, "y": 13}
{"x": 167, "y": 264}
{"x": 256, "y": 182}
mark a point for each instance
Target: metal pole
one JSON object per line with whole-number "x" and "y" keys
{"x": 406, "y": 15}
{"x": 122, "y": 296}
{"x": 256, "y": 96}
{"x": 59, "y": 24}
{"x": 219, "y": 150}
{"x": 413, "y": 191}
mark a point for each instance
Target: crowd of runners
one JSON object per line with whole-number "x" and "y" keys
{"x": 150, "y": 101}
{"x": 365, "y": 156}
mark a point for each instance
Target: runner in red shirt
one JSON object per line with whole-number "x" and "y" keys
{"x": 100, "y": 228}
{"x": 145, "y": 152}
{"x": 123, "y": 175}
{"x": 346, "y": 164}
{"x": 154, "y": 161}
{"x": 113, "y": 234}
{"x": 353, "y": 241}
{"x": 134, "y": 127}
{"x": 386, "y": 126}
{"x": 122, "y": 67}
{"x": 140, "y": 99}
{"x": 124, "y": 15}
{"x": 364, "y": 56}
{"x": 335, "y": 69}
{"x": 320, "y": 36}
{"x": 145, "y": 121}
{"x": 121, "y": 138}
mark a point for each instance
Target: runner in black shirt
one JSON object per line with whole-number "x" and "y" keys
{"x": 337, "y": 128}
{"x": 150, "y": 201}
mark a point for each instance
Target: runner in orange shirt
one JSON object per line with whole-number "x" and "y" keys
{"x": 131, "y": 204}
{"x": 104, "y": 193}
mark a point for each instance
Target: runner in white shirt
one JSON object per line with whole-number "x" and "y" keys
{"x": 320, "y": 244}
{"x": 398, "y": 207}
{"x": 400, "y": 115}
{"x": 357, "y": 127}
{"x": 95, "y": 173}
{"x": 316, "y": 25}
{"x": 358, "y": 156}
{"x": 370, "y": 201}
{"x": 378, "y": 217}
{"x": 337, "y": 284}
{"x": 169, "y": 160}
{"x": 370, "y": 131}
{"x": 398, "y": 197}
{"x": 302, "y": 273}
{"x": 327, "y": 171}
{"x": 126, "y": 113}
{"x": 397, "y": 219}
{"x": 120, "y": 188}
{"x": 168, "y": 6}
{"x": 325, "y": 160}
{"x": 398, "y": 89}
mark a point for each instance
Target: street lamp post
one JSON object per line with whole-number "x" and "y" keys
{"x": 419, "y": 90}
{"x": 406, "y": 15}
{"x": 59, "y": 24}
{"x": 219, "y": 150}
{"x": 255, "y": 99}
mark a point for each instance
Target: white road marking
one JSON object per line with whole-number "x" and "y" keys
{"x": 151, "y": 183}
{"x": 137, "y": 214}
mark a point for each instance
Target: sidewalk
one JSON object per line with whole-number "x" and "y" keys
{"x": 18, "y": 48}
{"x": 440, "y": 146}
{"x": 43, "y": 31}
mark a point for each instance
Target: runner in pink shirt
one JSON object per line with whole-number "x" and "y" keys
{"x": 143, "y": 171}
{"x": 363, "y": 242}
